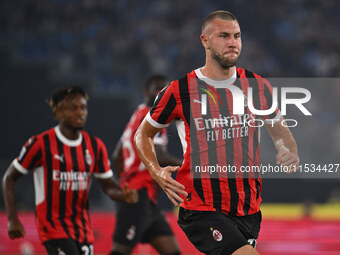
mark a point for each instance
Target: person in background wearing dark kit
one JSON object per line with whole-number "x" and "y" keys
{"x": 143, "y": 221}
{"x": 219, "y": 211}
{"x": 63, "y": 160}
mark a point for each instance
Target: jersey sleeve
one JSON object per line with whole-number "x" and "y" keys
{"x": 102, "y": 168}
{"x": 30, "y": 156}
{"x": 164, "y": 108}
{"x": 161, "y": 138}
{"x": 266, "y": 96}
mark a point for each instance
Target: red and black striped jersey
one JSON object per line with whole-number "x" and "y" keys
{"x": 135, "y": 173}
{"x": 213, "y": 137}
{"x": 62, "y": 171}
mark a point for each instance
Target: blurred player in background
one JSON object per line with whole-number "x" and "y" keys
{"x": 143, "y": 221}
{"x": 220, "y": 214}
{"x": 63, "y": 160}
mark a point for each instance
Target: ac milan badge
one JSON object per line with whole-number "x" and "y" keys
{"x": 88, "y": 158}
{"x": 131, "y": 233}
{"x": 217, "y": 235}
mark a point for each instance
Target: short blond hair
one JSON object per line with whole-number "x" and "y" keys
{"x": 217, "y": 15}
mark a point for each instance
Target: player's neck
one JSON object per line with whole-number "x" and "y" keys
{"x": 69, "y": 133}
{"x": 214, "y": 71}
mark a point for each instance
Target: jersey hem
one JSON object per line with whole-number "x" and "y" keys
{"x": 205, "y": 208}
{"x": 106, "y": 175}
{"x": 19, "y": 167}
{"x": 155, "y": 123}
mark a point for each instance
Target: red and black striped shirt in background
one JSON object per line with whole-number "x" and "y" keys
{"x": 135, "y": 172}
{"x": 209, "y": 143}
{"x": 62, "y": 171}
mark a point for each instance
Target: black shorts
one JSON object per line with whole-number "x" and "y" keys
{"x": 67, "y": 246}
{"x": 140, "y": 222}
{"x": 218, "y": 233}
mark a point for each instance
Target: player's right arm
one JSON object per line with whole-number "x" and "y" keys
{"x": 15, "y": 228}
{"x": 162, "y": 175}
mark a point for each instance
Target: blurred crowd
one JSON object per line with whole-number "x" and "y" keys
{"x": 114, "y": 44}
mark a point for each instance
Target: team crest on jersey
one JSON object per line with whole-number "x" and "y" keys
{"x": 217, "y": 235}
{"x": 131, "y": 233}
{"x": 88, "y": 158}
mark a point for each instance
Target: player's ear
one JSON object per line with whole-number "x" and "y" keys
{"x": 58, "y": 111}
{"x": 57, "y": 114}
{"x": 204, "y": 40}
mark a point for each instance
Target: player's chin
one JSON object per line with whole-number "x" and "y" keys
{"x": 230, "y": 61}
{"x": 233, "y": 59}
{"x": 79, "y": 126}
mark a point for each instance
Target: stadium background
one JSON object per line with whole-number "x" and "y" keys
{"x": 111, "y": 47}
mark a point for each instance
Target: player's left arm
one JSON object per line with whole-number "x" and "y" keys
{"x": 285, "y": 144}
{"x": 115, "y": 192}
{"x": 103, "y": 174}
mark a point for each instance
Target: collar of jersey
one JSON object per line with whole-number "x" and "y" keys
{"x": 216, "y": 84}
{"x": 63, "y": 139}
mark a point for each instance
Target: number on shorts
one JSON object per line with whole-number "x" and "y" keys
{"x": 87, "y": 249}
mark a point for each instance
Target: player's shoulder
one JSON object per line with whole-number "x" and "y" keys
{"x": 39, "y": 137}
{"x": 44, "y": 133}
{"x": 245, "y": 73}
{"x": 180, "y": 86}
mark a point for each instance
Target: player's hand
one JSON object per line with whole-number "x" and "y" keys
{"x": 15, "y": 229}
{"x": 130, "y": 195}
{"x": 168, "y": 184}
{"x": 288, "y": 159}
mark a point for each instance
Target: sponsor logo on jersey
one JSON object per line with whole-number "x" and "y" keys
{"x": 60, "y": 158}
{"x": 72, "y": 180}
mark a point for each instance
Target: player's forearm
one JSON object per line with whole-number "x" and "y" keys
{"x": 115, "y": 194}
{"x": 282, "y": 137}
{"x": 287, "y": 140}
{"x": 8, "y": 188}
{"x": 112, "y": 189}
{"x": 146, "y": 151}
